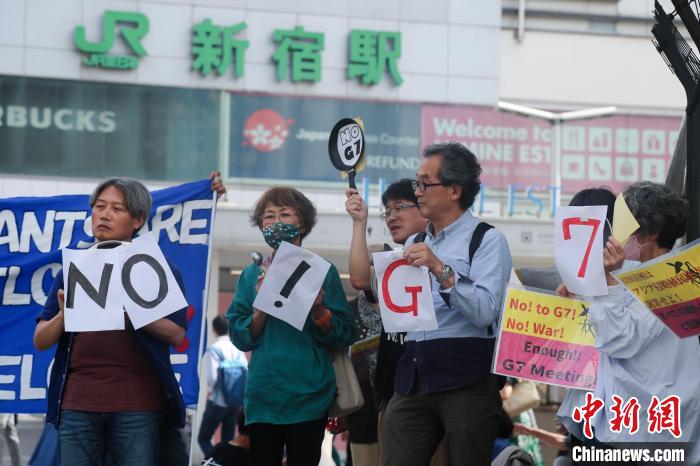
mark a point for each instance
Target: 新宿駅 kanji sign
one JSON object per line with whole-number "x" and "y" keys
{"x": 297, "y": 56}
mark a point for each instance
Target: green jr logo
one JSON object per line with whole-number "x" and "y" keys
{"x": 133, "y": 27}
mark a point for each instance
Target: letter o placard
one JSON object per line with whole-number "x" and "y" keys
{"x": 129, "y": 287}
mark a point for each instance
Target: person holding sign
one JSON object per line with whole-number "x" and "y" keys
{"x": 444, "y": 383}
{"x": 639, "y": 356}
{"x": 403, "y": 220}
{"x": 291, "y": 382}
{"x": 110, "y": 391}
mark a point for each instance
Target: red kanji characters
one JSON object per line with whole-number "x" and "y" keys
{"x": 627, "y": 415}
{"x": 665, "y": 415}
{"x": 586, "y": 412}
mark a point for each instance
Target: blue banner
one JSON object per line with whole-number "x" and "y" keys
{"x": 33, "y": 230}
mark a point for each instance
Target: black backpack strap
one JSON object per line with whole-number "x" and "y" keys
{"x": 369, "y": 296}
{"x": 477, "y": 238}
{"x": 420, "y": 237}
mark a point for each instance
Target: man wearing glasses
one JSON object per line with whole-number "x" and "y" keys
{"x": 444, "y": 383}
{"x": 403, "y": 219}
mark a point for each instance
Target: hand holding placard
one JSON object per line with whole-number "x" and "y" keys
{"x": 346, "y": 146}
{"x": 290, "y": 295}
{"x": 103, "y": 283}
{"x": 93, "y": 291}
{"x": 405, "y": 296}
{"x": 669, "y": 286}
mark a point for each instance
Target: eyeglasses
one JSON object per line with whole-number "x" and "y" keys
{"x": 395, "y": 211}
{"x": 423, "y": 186}
{"x": 282, "y": 216}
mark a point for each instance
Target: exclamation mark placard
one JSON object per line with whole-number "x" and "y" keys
{"x": 291, "y": 285}
{"x": 292, "y": 280}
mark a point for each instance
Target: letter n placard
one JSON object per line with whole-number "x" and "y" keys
{"x": 91, "y": 283}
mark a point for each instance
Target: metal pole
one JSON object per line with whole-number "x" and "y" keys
{"x": 203, "y": 326}
{"x": 521, "y": 21}
{"x": 692, "y": 171}
{"x": 556, "y": 162}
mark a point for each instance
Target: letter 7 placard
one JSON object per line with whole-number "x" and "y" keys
{"x": 578, "y": 249}
{"x": 405, "y": 295}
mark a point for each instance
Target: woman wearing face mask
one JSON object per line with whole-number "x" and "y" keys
{"x": 639, "y": 356}
{"x": 291, "y": 383}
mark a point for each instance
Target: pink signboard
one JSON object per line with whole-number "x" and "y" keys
{"x": 612, "y": 151}
{"x": 546, "y": 338}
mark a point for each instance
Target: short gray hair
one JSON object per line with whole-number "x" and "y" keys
{"x": 137, "y": 198}
{"x": 459, "y": 167}
{"x": 659, "y": 210}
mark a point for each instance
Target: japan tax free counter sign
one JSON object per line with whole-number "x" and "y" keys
{"x": 33, "y": 233}
{"x": 546, "y": 338}
{"x": 284, "y": 138}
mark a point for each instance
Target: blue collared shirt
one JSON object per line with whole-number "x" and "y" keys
{"x": 460, "y": 350}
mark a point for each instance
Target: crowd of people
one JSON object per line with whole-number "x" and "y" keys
{"x": 430, "y": 396}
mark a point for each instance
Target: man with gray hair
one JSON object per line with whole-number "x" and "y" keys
{"x": 110, "y": 391}
{"x": 443, "y": 380}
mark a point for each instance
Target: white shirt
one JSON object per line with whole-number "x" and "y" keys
{"x": 641, "y": 357}
{"x": 223, "y": 344}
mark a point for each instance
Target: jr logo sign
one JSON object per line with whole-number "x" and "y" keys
{"x": 133, "y": 27}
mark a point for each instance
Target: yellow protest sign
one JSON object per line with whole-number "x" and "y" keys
{"x": 546, "y": 338}
{"x": 624, "y": 223}
{"x": 670, "y": 287}
{"x": 546, "y": 315}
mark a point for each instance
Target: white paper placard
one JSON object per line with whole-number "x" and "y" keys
{"x": 101, "y": 284}
{"x": 578, "y": 249}
{"x": 405, "y": 295}
{"x": 92, "y": 290}
{"x": 150, "y": 289}
{"x": 291, "y": 284}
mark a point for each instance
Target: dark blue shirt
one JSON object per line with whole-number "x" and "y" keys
{"x": 157, "y": 351}
{"x": 460, "y": 351}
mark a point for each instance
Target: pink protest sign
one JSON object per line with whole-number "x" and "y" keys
{"x": 546, "y": 338}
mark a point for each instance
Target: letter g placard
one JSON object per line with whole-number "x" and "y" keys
{"x": 412, "y": 290}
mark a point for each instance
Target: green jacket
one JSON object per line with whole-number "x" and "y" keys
{"x": 290, "y": 374}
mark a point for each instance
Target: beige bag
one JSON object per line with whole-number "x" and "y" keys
{"x": 524, "y": 396}
{"x": 348, "y": 398}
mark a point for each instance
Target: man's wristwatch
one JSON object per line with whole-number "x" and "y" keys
{"x": 446, "y": 273}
